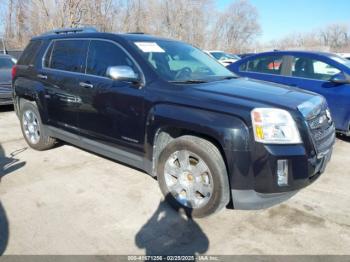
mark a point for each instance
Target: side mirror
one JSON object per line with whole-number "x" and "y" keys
{"x": 340, "y": 78}
{"x": 122, "y": 73}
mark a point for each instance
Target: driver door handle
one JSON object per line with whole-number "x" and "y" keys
{"x": 41, "y": 76}
{"x": 86, "y": 85}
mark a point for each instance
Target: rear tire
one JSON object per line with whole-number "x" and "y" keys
{"x": 192, "y": 175}
{"x": 34, "y": 132}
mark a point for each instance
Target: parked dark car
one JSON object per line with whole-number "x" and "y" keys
{"x": 324, "y": 73}
{"x": 169, "y": 109}
{"x": 6, "y": 64}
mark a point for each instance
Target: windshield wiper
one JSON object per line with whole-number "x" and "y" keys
{"x": 189, "y": 81}
{"x": 229, "y": 77}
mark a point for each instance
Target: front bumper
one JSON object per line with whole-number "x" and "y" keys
{"x": 250, "y": 199}
{"x": 265, "y": 191}
{"x": 6, "y": 96}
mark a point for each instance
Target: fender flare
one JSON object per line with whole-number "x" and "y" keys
{"x": 230, "y": 133}
{"x": 30, "y": 91}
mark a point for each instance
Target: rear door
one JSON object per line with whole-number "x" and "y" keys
{"x": 63, "y": 69}
{"x": 111, "y": 111}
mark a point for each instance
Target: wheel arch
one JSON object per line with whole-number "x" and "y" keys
{"x": 30, "y": 91}
{"x": 228, "y": 133}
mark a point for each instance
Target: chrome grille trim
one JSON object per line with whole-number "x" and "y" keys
{"x": 322, "y": 132}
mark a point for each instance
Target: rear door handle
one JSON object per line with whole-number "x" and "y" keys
{"x": 86, "y": 85}
{"x": 41, "y": 76}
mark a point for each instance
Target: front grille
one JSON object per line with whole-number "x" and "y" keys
{"x": 322, "y": 131}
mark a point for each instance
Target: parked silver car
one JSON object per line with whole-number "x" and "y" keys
{"x": 6, "y": 64}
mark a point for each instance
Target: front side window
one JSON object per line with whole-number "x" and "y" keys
{"x": 271, "y": 64}
{"x": 67, "y": 55}
{"x": 180, "y": 62}
{"x": 103, "y": 54}
{"x": 313, "y": 69}
{"x": 6, "y": 63}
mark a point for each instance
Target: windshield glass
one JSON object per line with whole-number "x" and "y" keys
{"x": 341, "y": 60}
{"x": 222, "y": 56}
{"x": 6, "y": 63}
{"x": 180, "y": 62}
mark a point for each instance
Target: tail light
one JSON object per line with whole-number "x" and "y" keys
{"x": 14, "y": 72}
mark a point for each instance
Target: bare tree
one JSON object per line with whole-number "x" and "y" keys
{"x": 334, "y": 37}
{"x": 186, "y": 20}
{"x": 236, "y": 27}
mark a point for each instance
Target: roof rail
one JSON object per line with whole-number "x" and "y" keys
{"x": 136, "y": 33}
{"x": 72, "y": 30}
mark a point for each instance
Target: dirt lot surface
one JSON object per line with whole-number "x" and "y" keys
{"x": 69, "y": 201}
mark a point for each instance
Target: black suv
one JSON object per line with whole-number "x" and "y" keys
{"x": 165, "y": 107}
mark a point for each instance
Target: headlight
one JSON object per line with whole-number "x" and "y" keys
{"x": 274, "y": 126}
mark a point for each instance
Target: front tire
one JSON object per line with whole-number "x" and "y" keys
{"x": 34, "y": 132}
{"x": 192, "y": 175}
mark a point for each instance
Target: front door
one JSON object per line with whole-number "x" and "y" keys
{"x": 111, "y": 111}
{"x": 314, "y": 75}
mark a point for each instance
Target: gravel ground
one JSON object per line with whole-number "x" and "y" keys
{"x": 69, "y": 201}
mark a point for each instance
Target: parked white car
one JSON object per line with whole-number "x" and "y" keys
{"x": 223, "y": 57}
{"x": 345, "y": 55}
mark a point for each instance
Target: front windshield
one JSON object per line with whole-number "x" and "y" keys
{"x": 341, "y": 60}
{"x": 222, "y": 56}
{"x": 6, "y": 63}
{"x": 180, "y": 62}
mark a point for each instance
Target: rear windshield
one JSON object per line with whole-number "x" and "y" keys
{"x": 30, "y": 53}
{"x": 6, "y": 63}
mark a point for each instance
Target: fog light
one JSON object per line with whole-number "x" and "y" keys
{"x": 282, "y": 172}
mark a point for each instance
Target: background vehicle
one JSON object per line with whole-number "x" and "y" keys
{"x": 244, "y": 55}
{"x": 323, "y": 73}
{"x": 224, "y": 58}
{"x": 167, "y": 108}
{"x": 6, "y": 64}
{"x": 345, "y": 55}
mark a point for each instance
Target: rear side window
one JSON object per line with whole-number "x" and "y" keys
{"x": 67, "y": 55}
{"x": 103, "y": 54}
{"x": 267, "y": 64}
{"x": 30, "y": 52}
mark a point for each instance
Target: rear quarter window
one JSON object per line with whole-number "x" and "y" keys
{"x": 30, "y": 53}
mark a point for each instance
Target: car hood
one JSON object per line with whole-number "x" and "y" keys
{"x": 259, "y": 92}
{"x": 5, "y": 76}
